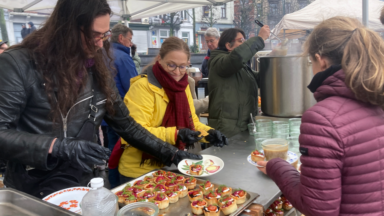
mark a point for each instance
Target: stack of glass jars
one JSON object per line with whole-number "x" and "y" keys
{"x": 280, "y": 129}
{"x": 263, "y": 131}
{"x": 294, "y": 133}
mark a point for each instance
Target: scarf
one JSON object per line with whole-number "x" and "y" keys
{"x": 178, "y": 113}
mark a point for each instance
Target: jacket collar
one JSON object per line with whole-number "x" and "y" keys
{"x": 154, "y": 84}
{"x": 319, "y": 78}
{"x": 122, "y": 48}
{"x": 333, "y": 85}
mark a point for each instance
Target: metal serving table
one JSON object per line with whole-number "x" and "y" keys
{"x": 237, "y": 172}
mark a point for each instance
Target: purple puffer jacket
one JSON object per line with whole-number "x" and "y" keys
{"x": 342, "y": 141}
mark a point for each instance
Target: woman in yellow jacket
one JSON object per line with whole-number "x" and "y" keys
{"x": 160, "y": 100}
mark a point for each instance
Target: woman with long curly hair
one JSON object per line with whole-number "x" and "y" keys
{"x": 55, "y": 89}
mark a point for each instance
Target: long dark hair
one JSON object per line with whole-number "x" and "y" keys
{"x": 60, "y": 55}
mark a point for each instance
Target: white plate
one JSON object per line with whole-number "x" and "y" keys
{"x": 292, "y": 157}
{"x": 208, "y": 162}
{"x": 69, "y": 198}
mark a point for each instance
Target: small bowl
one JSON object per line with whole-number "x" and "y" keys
{"x": 139, "y": 209}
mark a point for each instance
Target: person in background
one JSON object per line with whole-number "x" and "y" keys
{"x": 160, "y": 100}
{"x": 24, "y": 31}
{"x": 201, "y": 105}
{"x": 31, "y": 27}
{"x": 212, "y": 37}
{"x": 136, "y": 58}
{"x": 342, "y": 135}
{"x": 3, "y": 46}
{"x": 125, "y": 70}
{"x": 55, "y": 89}
{"x": 232, "y": 84}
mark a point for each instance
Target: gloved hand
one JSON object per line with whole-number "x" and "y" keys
{"x": 188, "y": 136}
{"x": 216, "y": 138}
{"x": 181, "y": 155}
{"x": 80, "y": 152}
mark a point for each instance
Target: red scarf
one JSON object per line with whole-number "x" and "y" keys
{"x": 178, "y": 113}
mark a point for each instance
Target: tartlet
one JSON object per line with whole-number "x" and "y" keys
{"x": 190, "y": 183}
{"x": 194, "y": 195}
{"x": 197, "y": 206}
{"x": 240, "y": 196}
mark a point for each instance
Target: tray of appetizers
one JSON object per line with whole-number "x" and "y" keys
{"x": 177, "y": 194}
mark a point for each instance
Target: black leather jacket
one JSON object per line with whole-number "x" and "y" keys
{"x": 26, "y": 132}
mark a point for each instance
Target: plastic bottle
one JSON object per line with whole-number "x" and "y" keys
{"x": 99, "y": 201}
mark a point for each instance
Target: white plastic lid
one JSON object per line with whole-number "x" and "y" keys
{"x": 97, "y": 182}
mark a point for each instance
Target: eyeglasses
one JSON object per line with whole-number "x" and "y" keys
{"x": 240, "y": 40}
{"x": 210, "y": 41}
{"x": 172, "y": 67}
{"x": 103, "y": 37}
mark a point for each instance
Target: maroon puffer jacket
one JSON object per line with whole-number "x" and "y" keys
{"x": 342, "y": 141}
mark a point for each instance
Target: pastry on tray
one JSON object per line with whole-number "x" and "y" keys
{"x": 228, "y": 207}
{"x": 190, "y": 183}
{"x": 223, "y": 190}
{"x": 149, "y": 178}
{"x": 257, "y": 156}
{"x": 180, "y": 179}
{"x": 206, "y": 187}
{"x": 276, "y": 205}
{"x": 173, "y": 196}
{"x": 170, "y": 175}
{"x": 196, "y": 169}
{"x": 141, "y": 199}
{"x": 158, "y": 173}
{"x": 150, "y": 187}
{"x": 160, "y": 180}
{"x": 226, "y": 198}
{"x": 149, "y": 195}
{"x": 287, "y": 205}
{"x": 183, "y": 191}
{"x": 141, "y": 183}
{"x": 211, "y": 210}
{"x": 279, "y": 212}
{"x": 162, "y": 200}
{"x": 197, "y": 206}
{"x": 240, "y": 196}
{"x": 138, "y": 191}
{"x": 194, "y": 195}
{"x": 212, "y": 198}
{"x": 160, "y": 189}
{"x": 171, "y": 184}
{"x": 131, "y": 198}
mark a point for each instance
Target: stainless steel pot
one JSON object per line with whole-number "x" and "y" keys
{"x": 283, "y": 85}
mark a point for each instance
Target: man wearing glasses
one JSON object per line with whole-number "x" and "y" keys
{"x": 55, "y": 89}
{"x": 3, "y": 46}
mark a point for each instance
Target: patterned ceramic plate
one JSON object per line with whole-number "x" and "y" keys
{"x": 69, "y": 198}
{"x": 211, "y": 165}
{"x": 292, "y": 157}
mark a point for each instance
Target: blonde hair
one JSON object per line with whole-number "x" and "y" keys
{"x": 359, "y": 50}
{"x": 171, "y": 44}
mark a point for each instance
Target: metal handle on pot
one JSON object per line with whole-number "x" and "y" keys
{"x": 257, "y": 62}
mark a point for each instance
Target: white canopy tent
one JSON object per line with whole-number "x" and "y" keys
{"x": 307, "y": 18}
{"x": 134, "y": 9}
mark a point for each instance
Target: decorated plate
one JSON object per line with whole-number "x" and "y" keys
{"x": 210, "y": 165}
{"x": 292, "y": 157}
{"x": 69, "y": 198}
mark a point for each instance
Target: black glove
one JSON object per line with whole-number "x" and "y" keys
{"x": 80, "y": 152}
{"x": 216, "y": 138}
{"x": 188, "y": 136}
{"x": 181, "y": 155}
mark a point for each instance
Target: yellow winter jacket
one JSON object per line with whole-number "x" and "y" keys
{"x": 147, "y": 102}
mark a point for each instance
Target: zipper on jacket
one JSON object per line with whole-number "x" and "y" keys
{"x": 66, "y": 117}
{"x": 101, "y": 102}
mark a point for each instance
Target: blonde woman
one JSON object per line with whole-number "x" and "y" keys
{"x": 342, "y": 136}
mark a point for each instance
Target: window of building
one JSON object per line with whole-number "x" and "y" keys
{"x": 185, "y": 37}
{"x": 164, "y": 34}
{"x": 205, "y": 11}
{"x": 184, "y": 15}
{"x": 273, "y": 8}
{"x": 287, "y": 8}
{"x": 224, "y": 11}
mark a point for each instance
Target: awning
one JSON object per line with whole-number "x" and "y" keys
{"x": 319, "y": 10}
{"x": 134, "y": 9}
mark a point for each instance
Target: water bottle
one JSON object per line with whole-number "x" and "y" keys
{"x": 99, "y": 200}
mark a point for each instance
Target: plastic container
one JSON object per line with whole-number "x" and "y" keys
{"x": 275, "y": 148}
{"x": 99, "y": 201}
{"x": 139, "y": 209}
